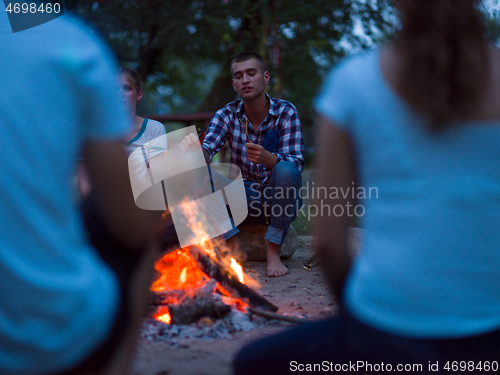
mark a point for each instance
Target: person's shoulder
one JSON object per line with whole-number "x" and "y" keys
{"x": 156, "y": 125}
{"x": 72, "y": 28}
{"x": 356, "y": 66}
{"x": 66, "y": 40}
{"x": 228, "y": 110}
{"x": 280, "y": 106}
{"x": 347, "y": 87}
{"x": 232, "y": 106}
{"x": 75, "y": 24}
{"x": 281, "y": 103}
{"x": 75, "y": 46}
{"x": 352, "y": 75}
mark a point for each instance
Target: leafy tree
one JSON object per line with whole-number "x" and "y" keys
{"x": 183, "y": 48}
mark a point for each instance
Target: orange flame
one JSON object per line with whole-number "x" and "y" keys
{"x": 183, "y": 276}
{"x": 238, "y": 269}
{"x": 178, "y": 270}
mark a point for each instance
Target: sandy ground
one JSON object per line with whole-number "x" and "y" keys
{"x": 301, "y": 293}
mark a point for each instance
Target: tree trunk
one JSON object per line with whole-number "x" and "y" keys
{"x": 249, "y": 37}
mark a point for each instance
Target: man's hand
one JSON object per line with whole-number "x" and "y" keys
{"x": 259, "y": 155}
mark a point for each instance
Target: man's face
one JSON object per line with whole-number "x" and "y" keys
{"x": 248, "y": 80}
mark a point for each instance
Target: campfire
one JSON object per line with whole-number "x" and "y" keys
{"x": 202, "y": 282}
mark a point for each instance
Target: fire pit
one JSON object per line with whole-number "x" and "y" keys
{"x": 196, "y": 283}
{"x": 189, "y": 304}
{"x": 201, "y": 291}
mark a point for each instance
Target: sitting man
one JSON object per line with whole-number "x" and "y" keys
{"x": 265, "y": 142}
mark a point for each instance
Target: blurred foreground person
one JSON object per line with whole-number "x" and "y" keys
{"x": 66, "y": 308}
{"x": 420, "y": 121}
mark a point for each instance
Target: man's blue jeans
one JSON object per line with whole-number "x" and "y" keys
{"x": 282, "y": 202}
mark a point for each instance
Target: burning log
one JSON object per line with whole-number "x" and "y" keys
{"x": 185, "y": 309}
{"x": 193, "y": 309}
{"x": 166, "y": 298}
{"x": 195, "y": 282}
{"x": 229, "y": 281}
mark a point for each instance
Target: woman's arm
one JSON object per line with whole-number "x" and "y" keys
{"x": 334, "y": 168}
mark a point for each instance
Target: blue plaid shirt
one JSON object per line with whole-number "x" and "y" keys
{"x": 280, "y": 134}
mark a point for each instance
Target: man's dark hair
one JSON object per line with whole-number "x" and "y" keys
{"x": 247, "y": 55}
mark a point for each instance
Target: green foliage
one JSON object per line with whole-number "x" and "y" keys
{"x": 181, "y": 47}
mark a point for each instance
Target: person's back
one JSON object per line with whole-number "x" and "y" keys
{"x": 432, "y": 202}
{"x": 425, "y": 124}
{"x": 59, "y": 298}
{"x": 416, "y": 127}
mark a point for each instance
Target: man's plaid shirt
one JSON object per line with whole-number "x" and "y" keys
{"x": 280, "y": 133}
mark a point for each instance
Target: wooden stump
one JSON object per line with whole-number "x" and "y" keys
{"x": 254, "y": 244}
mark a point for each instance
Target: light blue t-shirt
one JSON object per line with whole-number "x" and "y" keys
{"x": 58, "y": 298}
{"x": 430, "y": 260}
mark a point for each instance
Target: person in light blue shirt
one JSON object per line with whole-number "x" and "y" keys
{"x": 64, "y": 307}
{"x": 143, "y": 133}
{"x": 143, "y": 129}
{"x": 420, "y": 121}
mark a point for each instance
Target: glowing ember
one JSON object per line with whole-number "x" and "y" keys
{"x": 238, "y": 269}
{"x": 163, "y": 315}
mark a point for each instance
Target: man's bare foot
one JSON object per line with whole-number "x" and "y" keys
{"x": 274, "y": 266}
{"x": 236, "y": 249}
